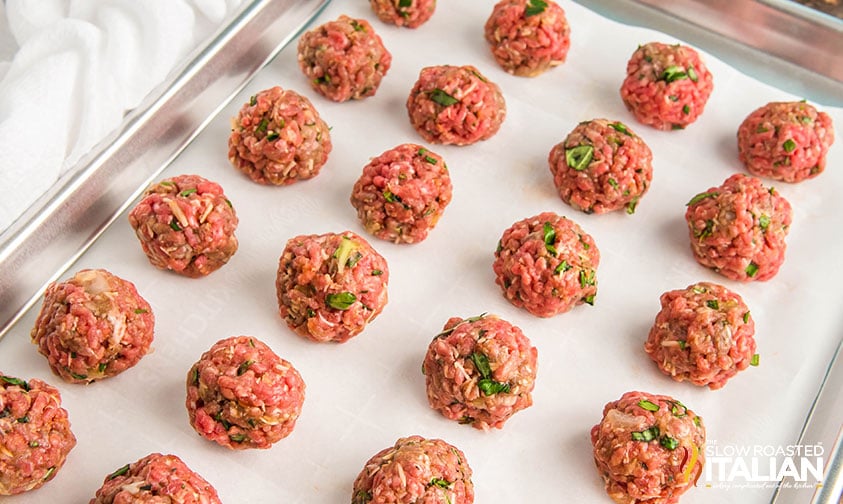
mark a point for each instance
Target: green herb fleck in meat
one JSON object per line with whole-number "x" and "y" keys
{"x": 746, "y": 318}
{"x": 713, "y": 304}
{"x": 669, "y": 442}
{"x": 49, "y": 473}
{"x": 589, "y": 300}
{"x": 237, "y": 438}
{"x": 673, "y": 73}
{"x": 244, "y": 367}
{"x": 632, "y": 205}
{"x": 357, "y": 25}
{"x": 187, "y": 192}
{"x": 763, "y": 222}
{"x": 579, "y": 157}
{"x": 492, "y": 387}
{"x": 362, "y": 496}
{"x": 549, "y": 236}
{"x": 16, "y": 381}
{"x": 442, "y": 98}
{"x": 481, "y": 363}
{"x": 174, "y": 224}
{"x": 441, "y": 483}
{"x": 430, "y": 159}
{"x": 751, "y": 270}
{"x": 340, "y": 300}
{"x": 272, "y": 136}
{"x": 686, "y": 109}
{"x": 534, "y": 7}
{"x": 377, "y": 272}
{"x": 648, "y": 405}
{"x": 562, "y": 267}
{"x": 755, "y": 360}
{"x": 646, "y": 435}
{"x": 486, "y": 384}
{"x": 253, "y": 100}
{"x": 119, "y": 472}
{"x": 620, "y": 128}
{"x": 140, "y": 311}
{"x": 692, "y": 74}
{"x": 701, "y": 196}
{"x": 789, "y": 145}
{"x": 262, "y": 125}
{"x": 587, "y": 278}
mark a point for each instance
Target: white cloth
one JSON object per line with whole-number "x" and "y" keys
{"x": 71, "y": 69}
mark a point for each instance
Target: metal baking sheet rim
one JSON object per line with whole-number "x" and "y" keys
{"x": 58, "y": 228}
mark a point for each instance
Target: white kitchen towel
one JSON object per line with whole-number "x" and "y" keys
{"x": 71, "y": 69}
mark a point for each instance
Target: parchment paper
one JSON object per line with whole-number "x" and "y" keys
{"x": 363, "y": 395}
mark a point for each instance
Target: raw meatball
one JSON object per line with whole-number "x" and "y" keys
{"x": 402, "y": 193}
{"x": 330, "y": 286}
{"x": 242, "y": 395}
{"x": 344, "y": 59}
{"x": 648, "y": 448}
{"x": 703, "y": 334}
{"x": 35, "y": 435}
{"x": 155, "y": 479}
{"x": 93, "y": 326}
{"x": 547, "y": 264}
{"x": 666, "y": 86}
{"x": 455, "y": 105}
{"x": 278, "y": 138}
{"x": 186, "y": 224}
{"x": 785, "y": 141}
{"x": 528, "y": 37}
{"x": 601, "y": 166}
{"x": 415, "y": 470}
{"x": 739, "y": 228}
{"x": 480, "y": 371}
{"x": 409, "y": 13}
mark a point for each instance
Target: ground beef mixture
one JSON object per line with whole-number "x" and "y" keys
{"x": 155, "y": 479}
{"x": 35, "y": 435}
{"x": 480, "y": 371}
{"x": 528, "y": 37}
{"x": 785, "y": 141}
{"x": 402, "y": 193}
{"x": 186, "y": 224}
{"x": 330, "y": 286}
{"x": 407, "y": 13}
{"x": 279, "y": 138}
{"x": 344, "y": 59}
{"x": 547, "y": 264}
{"x": 241, "y": 395}
{"x": 455, "y": 105}
{"x": 93, "y": 326}
{"x": 667, "y": 85}
{"x": 648, "y": 448}
{"x": 415, "y": 470}
{"x": 739, "y": 228}
{"x": 703, "y": 334}
{"x": 601, "y": 166}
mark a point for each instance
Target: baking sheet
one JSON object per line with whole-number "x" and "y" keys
{"x": 364, "y": 394}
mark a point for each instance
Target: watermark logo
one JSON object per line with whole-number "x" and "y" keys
{"x": 755, "y": 466}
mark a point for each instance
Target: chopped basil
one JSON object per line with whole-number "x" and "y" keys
{"x": 674, "y": 408}
{"x": 706, "y": 231}
{"x": 673, "y": 73}
{"x": 613, "y": 183}
{"x": 324, "y": 79}
{"x": 549, "y": 235}
{"x": 15, "y": 381}
{"x": 713, "y": 304}
{"x": 692, "y": 74}
{"x": 469, "y": 320}
{"x": 481, "y": 363}
{"x": 174, "y": 224}
{"x": 101, "y": 367}
{"x": 377, "y": 272}
{"x": 341, "y": 300}
{"x": 310, "y": 313}
{"x": 686, "y": 109}
{"x": 534, "y": 7}
{"x": 648, "y": 405}
{"x": 621, "y": 128}
{"x": 701, "y": 196}
{"x": 646, "y": 435}
{"x": 562, "y": 267}
{"x": 34, "y": 444}
{"x": 683, "y": 344}
{"x": 762, "y": 129}
{"x": 499, "y": 247}
{"x": 262, "y": 125}
{"x": 78, "y": 376}
{"x": 187, "y": 192}
{"x": 669, "y": 442}
{"x": 430, "y": 159}
{"x": 789, "y": 145}
{"x": 119, "y": 472}
{"x": 763, "y": 222}
{"x": 589, "y": 300}
{"x": 23, "y": 419}
{"x": 244, "y": 367}
{"x": 405, "y": 3}
{"x": 699, "y": 289}
{"x": 273, "y": 136}
{"x": 673, "y": 98}
{"x": 441, "y": 483}
{"x": 442, "y": 98}
{"x": 491, "y": 387}
{"x": 362, "y": 496}
{"x": 357, "y": 26}
{"x": 746, "y": 318}
{"x": 755, "y": 360}
{"x": 579, "y": 157}
{"x": 194, "y": 378}
{"x": 390, "y": 197}
{"x": 237, "y": 438}
{"x": 228, "y": 202}
{"x": 586, "y": 278}
{"x": 752, "y": 269}
{"x": 632, "y": 205}
{"x": 698, "y": 421}
{"x": 139, "y": 311}
{"x": 253, "y": 100}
